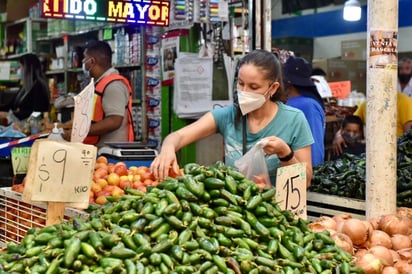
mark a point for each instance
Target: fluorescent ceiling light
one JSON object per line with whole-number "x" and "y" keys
{"x": 352, "y": 10}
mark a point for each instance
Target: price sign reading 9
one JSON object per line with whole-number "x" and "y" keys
{"x": 61, "y": 171}
{"x": 291, "y": 189}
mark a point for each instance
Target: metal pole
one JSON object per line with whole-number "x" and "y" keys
{"x": 381, "y": 110}
{"x": 258, "y": 25}
{"x": 267, "y": 25}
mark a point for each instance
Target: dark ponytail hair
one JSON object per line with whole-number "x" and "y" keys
{"x": 271, "y": 67}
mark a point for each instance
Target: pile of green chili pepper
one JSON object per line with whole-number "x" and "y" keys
{"x": 346, "y": 176}
{"x": 209, "y": 220}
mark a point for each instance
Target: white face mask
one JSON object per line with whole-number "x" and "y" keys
{"x": 85, "y": 70}
{"x": 19, "y": 74}
{"x": 250, "y": 101}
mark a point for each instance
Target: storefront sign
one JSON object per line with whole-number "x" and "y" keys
{"x": 143, "y": 12}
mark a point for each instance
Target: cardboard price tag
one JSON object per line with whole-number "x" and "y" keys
{"x": 291, "y": 189}
{"x": 340, "y": 89}
{"x": 60, "y": 172}
{"x": 83, "y": 111}
{"x": 20, "y": 159}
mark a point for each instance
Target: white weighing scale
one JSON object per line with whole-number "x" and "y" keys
{"x": 131, "y": 153}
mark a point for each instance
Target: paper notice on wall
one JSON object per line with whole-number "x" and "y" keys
{"x": 4, "y": 70}
{"x": 383, "y": 49}
{"x": 83, "y": 112}
{"x": 193, "y": 86}
{"x": 193, "y": 94}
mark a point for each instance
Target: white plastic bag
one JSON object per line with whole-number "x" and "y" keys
{"x": 253, "y": 165}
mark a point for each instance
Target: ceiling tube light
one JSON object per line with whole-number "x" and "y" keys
{"x": 352, "y": 10}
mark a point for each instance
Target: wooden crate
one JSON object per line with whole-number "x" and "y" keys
{"x": 17, "y": 217}
{"x": 330, "y": 205}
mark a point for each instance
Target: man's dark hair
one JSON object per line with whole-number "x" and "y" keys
{"x": 101, "y": 51}
{"x": 318, "y": 71}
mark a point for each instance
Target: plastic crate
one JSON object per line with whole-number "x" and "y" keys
{"x": 17, "y": 217}
{"x": 330, "y": 205}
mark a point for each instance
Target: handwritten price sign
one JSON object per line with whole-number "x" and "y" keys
{"x": 20, "y": 159}
{"x": 291, "y": 189}
{"x": 83, "y": 110}
{"x": 59, "y": 172}
{"x": 340, "y": 89}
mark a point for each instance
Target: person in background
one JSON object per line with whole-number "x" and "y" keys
{"x": 258, "y": 114}
{"x": 403, "y": 123}
{"x": 112, "y": 120}
{"x": 303, "y": 94}
{"x": 404, "y": 76}
{"x": 34, "y": 95}
{"x": 318, "y": 72}
{"x": 352, "y": 132}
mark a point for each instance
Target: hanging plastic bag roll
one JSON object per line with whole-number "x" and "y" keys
{"x": 253, "y": 165}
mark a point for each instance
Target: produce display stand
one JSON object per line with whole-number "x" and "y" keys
{"x": 330, "y": 205}
{"x": 17, "y": 217}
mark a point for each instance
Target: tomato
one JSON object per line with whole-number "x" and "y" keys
{"x": 101, "y": 200}
{"x": 121, "y": 170}
{"x": 102, "y": 159}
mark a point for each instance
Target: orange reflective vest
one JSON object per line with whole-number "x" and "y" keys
{"x": 98, "y": 111}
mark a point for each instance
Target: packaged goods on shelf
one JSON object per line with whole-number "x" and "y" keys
{"x": 17, "y": 217}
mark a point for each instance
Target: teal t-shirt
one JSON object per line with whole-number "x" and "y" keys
{"x": 289, "y": 124}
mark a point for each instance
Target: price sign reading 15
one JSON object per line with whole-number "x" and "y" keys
{"x": 60, "y": 171}
{"x": 291, "y": 189}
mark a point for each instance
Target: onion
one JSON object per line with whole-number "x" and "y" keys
{"x": 374, "y": 222}
{"x": 343, "y": 241}
{"x": 395, "y": 255}
{"x": 356, "y": 230}
{"x": 370, "y": 264}
{"x": 383, "y": 254}
{"x": 404, "y": 211}
{"x": 339, "y": 219}
{"x": 393, "y": 224}
{"x": 405, "y": 254}
{"x": 360, "y": 253}
{"x": 400, "y": 241}
{"x": 390, "y": 270}
{"x": 316, "y": 227}
{"x": 403, "y": 266}
{"x": 379, "y": 237}
{"x": 327, "y": 222}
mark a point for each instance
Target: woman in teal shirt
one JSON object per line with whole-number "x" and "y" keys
{"x": 258, "y": 114}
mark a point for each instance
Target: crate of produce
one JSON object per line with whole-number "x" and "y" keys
{"x": 17, "y": 217}
{"x": 330, "y": 205}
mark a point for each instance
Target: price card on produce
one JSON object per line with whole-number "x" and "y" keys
{"x": 291, "y": 189}
{"x": 340, "y": 89}
{"x": 83, "y": 110}
{"x": 60, "y": 172}
{"x": 20, "y": 159}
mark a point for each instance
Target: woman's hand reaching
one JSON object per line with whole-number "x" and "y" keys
{"x": 164, "y": 164}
